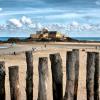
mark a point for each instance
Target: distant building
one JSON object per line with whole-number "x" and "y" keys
{"x": 52, "y": 34}
{"x": 35, "y": 36}
{"x": 45, "y": 34}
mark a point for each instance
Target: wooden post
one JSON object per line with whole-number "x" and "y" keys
{"x": 43, "y": 74}
{"x": 29, "y": 77}
{"x": 70, "y": 74}
{"x": 96, "y": 77}
{"x": 2, "y": 80}
{"x": 57, "y": 76}
{"x": 14, "y": 82}
{"x": 76, "y": 53}
{"x": 90, "y": 75}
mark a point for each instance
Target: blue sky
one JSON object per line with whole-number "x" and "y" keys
{"x": 76, "y": 18}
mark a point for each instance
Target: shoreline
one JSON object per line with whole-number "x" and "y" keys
{"x": 41, "y": 46}
{"x": 20, "y": 60}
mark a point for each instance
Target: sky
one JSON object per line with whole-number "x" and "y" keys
{"x": 75, "y": 18}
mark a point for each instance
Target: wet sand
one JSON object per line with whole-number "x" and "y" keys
{"x": 19, "y": 59}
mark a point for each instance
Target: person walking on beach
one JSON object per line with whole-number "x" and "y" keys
{"x": 45, "y": 45}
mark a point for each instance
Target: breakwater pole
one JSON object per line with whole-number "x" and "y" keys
{"x": 43, "y": 77}
{"x": 29, "y": 75}
{"x": 92, "y": 79}
{"x": 14, "y": 82}
{"x": 72, "y": 73}
{"x": 57, "y": 76}
{"x": 2, "y": 80}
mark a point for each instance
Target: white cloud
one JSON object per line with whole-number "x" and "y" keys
{"x": 32, "y": 11}
{"x": 62, "y": 16}
{"x": 87, "y": 26}
{"x": 39, "y": 26}
{"x": 75, "y": 24}
{"x": 1, "y": 9}
{"x": 2, "y": 27}
{"x": 15, "y": 22}
{"x": 25, "y": 24}
{"x": 56, "y": 27}
{"x": 98, "y": 2}
{"x": 26, "y": 20}
{"x": 32, "y": 26}
{"x": 22, "y": 22}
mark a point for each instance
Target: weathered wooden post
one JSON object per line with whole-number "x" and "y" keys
{"x": 90, "y": 75}
{"x": 29, "y": 76}
{"x": 76, "y": 53}
{"x": 96, "y": 77}
{"x": 2, "y": 80}
{"x": 70, "y": 74}
{"x": 57, "y": 76}
{"x": 43, "y": 75}
{"x": 14, "y": 82}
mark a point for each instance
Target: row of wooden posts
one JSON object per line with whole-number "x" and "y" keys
{"x": 72, "y": 74}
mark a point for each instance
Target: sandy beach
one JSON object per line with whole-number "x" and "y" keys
{"x": 39, "y": 50}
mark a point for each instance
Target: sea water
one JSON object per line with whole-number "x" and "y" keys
{"x": 3, "y": 47}
{"x": 6, "y": 38}
{"x": 78, "y": 38}
{"x": 88, "y": 38}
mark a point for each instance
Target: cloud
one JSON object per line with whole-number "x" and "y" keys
{"x": 15, "y": 22}
{"x": 39, "y": 26}
{"x": 98, "y": 2}
{"x": 50, "y": 14}
{"x": 26, "y": 20}
{"x": 56, "y": 27}
{"x": 32, "y": 25}
{"x": 87, "y": 26}
{"x": 22, "y": 22}
{"x": 62, "y": 16}
{"x": 32, "y": 11}
{"x": 75, "y": 24}
{"x": 2, "y": 27}
{"x": 27, "y": 25}
{"x": 46, "y": 3}
{"x": 81, "y": 27}
{"x": 1, "y": 9}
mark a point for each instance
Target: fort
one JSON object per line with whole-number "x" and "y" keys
{"x": 49, "y": 35}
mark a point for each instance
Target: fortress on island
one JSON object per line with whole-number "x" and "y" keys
{"x": 47, "y": 35}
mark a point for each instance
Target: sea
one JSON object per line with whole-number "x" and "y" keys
{"x": 6, "y": 38}
{"x": 87, "y": 38}
{"x": 78, "y": 38}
